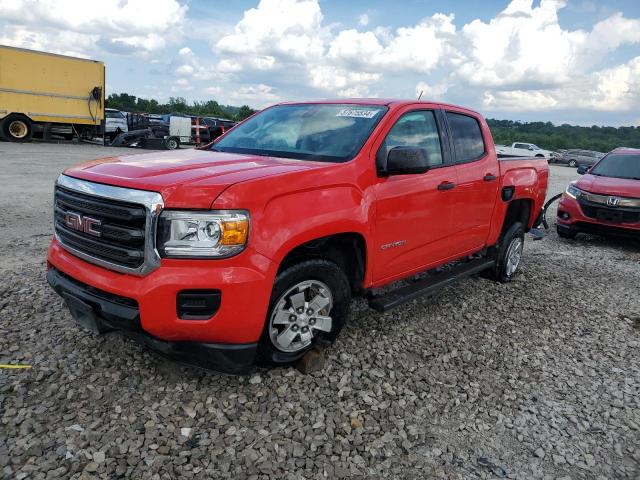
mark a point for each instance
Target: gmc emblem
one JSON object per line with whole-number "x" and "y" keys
{"x": 75, "y": 221}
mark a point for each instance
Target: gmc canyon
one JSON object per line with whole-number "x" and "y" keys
{"x": 250, "y": 249}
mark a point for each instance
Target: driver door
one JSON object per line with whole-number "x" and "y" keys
{"x": 414, "y": 211}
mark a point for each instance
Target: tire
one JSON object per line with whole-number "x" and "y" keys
{"x": 539, "y": 156}
{"x": 565, "y": 234}
{"x": 17, "y": 128}
{"x": 321, "y": 282}
{"x": 504, "y": 270}
{"x": 172, "y": 143}
{"x": 572, "y": 163}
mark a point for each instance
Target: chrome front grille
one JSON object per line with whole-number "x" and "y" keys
{"x": 113, "y": 227}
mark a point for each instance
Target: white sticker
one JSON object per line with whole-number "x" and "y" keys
{"x": 356, "y": 113}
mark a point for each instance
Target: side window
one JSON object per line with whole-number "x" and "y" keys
{"x": 521, "y": 145}
{"x": 414, "y": 129}
{"x": 467, "y": 137}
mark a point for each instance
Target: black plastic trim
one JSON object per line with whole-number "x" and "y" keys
{"x": 600, "y": 229}
{"x": 197, "y": 304}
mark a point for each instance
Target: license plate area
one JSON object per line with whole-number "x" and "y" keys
{"x": 609, "y": 216}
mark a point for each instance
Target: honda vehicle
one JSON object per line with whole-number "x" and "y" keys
{"x": 606, "y": 199}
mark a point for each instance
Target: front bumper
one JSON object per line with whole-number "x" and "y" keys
{"x": 101, "y": 312}
{"x": 145, "y": 307}
{"x": 578, "y": 222}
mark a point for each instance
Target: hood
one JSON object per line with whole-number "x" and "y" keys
{"x": 621, "y": 187}
{"x": 186, "y": 178}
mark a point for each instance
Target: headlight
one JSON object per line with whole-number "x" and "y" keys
{"x": 204, "y": 234}
{"x": 573, "y": 191}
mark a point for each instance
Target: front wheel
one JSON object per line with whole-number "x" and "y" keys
{"x": 509, "y": 254}
{"x": 309, "y": 305}
{"x": 573, "y": 163}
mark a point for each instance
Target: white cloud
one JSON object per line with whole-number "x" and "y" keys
{"x": 419, "y": 48}
{"x": 612, "y": 89}
{"x": 129, "y": 27}
{"x": 213, "y": 90}
{"x": 344, "y": 82}
{"x": 431, "y": 92}
{"x": 525, "y": 45}
{"x": 260, "y": 95}
{"x": 363, "y": 20}
{"x": 283, "y": 28}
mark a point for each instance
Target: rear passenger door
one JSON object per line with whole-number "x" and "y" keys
{"x": 477, "y": 186}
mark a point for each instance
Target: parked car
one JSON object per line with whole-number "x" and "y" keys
{"x": 606, "y": 199}
{"x": 115, "y": 122}
{"x": 520, "y": 149}
{"x": 253, "y": 247}
{"x": 574, "y": 158}
{"x": 556, "y": 155}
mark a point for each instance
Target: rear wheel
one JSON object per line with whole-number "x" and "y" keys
{"x": 572, "y": 163}
{"x": 172, "y": 143}
{"x": 509, "y": 254}
{"x": 309, "y": 305}
{"x": 17, "y": 128}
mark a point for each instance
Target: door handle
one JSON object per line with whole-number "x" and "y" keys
{"x": 489, "y": 177}
{"x": 446, "y": 186}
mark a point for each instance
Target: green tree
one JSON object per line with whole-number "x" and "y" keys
{"x": 244, "y": 112}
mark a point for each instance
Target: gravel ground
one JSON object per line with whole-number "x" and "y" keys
{"x": 539, "y": 378}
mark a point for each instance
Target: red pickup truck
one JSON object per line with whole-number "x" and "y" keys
{"x": 252, "y": 248}
{"x": 606, "y": 200}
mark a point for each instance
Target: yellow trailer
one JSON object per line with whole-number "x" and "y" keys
{"x": 46, "y": 92}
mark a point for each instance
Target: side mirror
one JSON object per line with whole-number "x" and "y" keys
{"x": 406, "y": 161}
{"x": 582, "y": 169}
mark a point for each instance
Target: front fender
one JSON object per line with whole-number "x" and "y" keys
{"x": 292, "y": 219}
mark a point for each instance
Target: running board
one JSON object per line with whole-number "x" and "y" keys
{"x": 428, "y": 286}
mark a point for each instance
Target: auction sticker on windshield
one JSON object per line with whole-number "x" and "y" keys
{"x": 353, "y": 113}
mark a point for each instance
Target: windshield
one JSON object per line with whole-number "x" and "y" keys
{"x": 323, "y": 132}
{"x": 619, "y": 166}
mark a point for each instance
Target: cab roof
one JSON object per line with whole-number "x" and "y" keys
{"x": 388, "y": 102}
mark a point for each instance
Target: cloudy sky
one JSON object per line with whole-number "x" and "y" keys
{"x": 574, "y": 61}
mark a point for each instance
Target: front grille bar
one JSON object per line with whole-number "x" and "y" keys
{"x": 132, "y": 203}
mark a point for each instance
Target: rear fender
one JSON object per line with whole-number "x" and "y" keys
{"x": 526, "y": 185}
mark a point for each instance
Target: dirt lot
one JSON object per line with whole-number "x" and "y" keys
{"x": 539, "y": 378}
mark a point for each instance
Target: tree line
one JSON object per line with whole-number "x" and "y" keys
{"x": 210, "y": 108}
{"x": 544, "y": 134}
{"x": 554, "y": 137}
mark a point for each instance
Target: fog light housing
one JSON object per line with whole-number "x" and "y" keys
{"x": 197, "y": 304}
{"x": 564, "y": 215}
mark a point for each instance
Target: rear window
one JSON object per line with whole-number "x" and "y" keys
{"x": 618, "y": 166}
{"x": 467, "y": 137}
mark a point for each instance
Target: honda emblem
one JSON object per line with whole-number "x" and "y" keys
{"x": 613, "y": 201}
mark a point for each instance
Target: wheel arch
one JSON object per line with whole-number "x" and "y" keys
{"x": 519, "y": 210}
{"x": 347, "y": 249}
